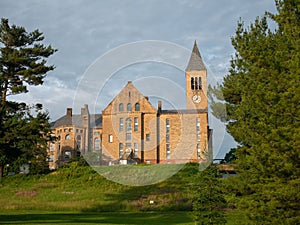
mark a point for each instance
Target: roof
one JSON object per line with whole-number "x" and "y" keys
{"x": 184, "y": 111}
{"x": 195, "y": 62}
{"x": 76, "y": 120}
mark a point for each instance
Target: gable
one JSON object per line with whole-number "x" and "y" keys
{"x": 129, "y": 95}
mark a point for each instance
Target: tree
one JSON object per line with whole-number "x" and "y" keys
{"x": 230, "y": 157}
{"x": 22, "y": 62}
{"x": 208, "y": 199}
{"x": 262, "y": 99}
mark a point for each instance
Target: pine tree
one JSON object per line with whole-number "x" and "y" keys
{"x": 22, "y": 63}
{"x": 208, "y": 197}
{"x": 262, "y": 99}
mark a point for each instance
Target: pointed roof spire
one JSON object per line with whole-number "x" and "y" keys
{"x": 195, "y": 62}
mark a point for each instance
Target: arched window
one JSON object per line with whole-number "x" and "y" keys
{"x": 68, "y": 137}
{"x": 97, "y": 144}
{"x": 128, "y": 124}
{"x": 137, "y": 107}
{"x": 129, "y": 107}
{"x": 121, "y": 107}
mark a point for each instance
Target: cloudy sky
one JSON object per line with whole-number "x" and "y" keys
{"x": 85, "y": 31}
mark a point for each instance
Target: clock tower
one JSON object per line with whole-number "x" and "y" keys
{"x": 196, "y": 81}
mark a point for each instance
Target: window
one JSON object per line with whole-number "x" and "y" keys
{"x": 121, "y": 125}
{"x": 129, "y": 107}
{"x": 121, "y": 107}
{"x": 51, "y": 158}
{"x": 77, "y": 131}
{"x": 192, "y": 83}
{"x": 97, "y": 144}
{"x": 128, "y": 125}
{"x": 128, "y": 136}
{"x": 137, "y": 107}
{"x": 167, "y": 138}
{"x": 71, "y": 130}
{"x": 167, "y": 126}
{"x": 120, "y": 150}
{"x": 128, "y": 145}
{"x": 51, "y": 147}
{"x": 110, "y": 138}
{"x": 147, "y": 137}
{"x": 136, "y": 124}
{"x": 136, "y": 150}
{"x": 65, "y": 130}
{"x": 198, "y": 128}
{"x": 198, "y": 137}
{"x": 198, "y": 151}
{"x": 196, "y": 83}
{"x": 67, "y": 155}
{"x": 96, "y": 133}
{"x": 68, "y": 137}
{"x": 168, "y": 152}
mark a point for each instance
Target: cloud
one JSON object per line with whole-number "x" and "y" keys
{"x": 82, "y": 31}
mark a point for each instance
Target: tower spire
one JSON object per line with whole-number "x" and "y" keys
{"x": 195, "y": 62}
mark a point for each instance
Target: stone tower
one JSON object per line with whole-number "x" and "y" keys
{"x": 196, "y": 81}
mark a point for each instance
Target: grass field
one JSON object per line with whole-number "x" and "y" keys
{"x": 79, "y": 195}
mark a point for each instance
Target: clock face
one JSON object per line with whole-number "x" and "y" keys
{"x": 197, "y": 98}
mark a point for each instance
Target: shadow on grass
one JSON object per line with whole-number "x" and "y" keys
{"x": 97, "y": 218}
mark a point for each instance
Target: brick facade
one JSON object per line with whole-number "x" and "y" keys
{"x": 130, "y": 129}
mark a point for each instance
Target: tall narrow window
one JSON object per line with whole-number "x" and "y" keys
{"x": 128, "y": 125}
{"x": 168, "y": 151}
{"x": 110, "y": 138}
{"x": 121, "y": 107}
{"x": 120, "y": 150}
{"x": 51, "y": 148}
{"x": 196, "y": 83}
{"x": 121, "y": 124}
{"x": 167, "y": 126}
{"x": 137, "y": 107}
{"x": 136, "y": 124}
{"x": 167, "y": 138}
{"x": 129, "y": 107}
{"x": 200, "y": 83}
{"x": 97, "y": 144}
{"x": 147, "y": 137}
{"x": 136, "y": 150}
{"x": 192, "y": 83}
{"x": 198, "y": 128}
{"x": 198, "y": 151}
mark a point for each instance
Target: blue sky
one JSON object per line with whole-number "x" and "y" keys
{"x": 83, "y": 31}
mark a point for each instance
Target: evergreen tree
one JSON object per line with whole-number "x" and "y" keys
{"x": 23, "y": 134}
{"x": 208, "y": 201}
{"x": 262, "y": 99}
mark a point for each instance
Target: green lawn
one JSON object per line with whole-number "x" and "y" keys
{"x": 28, "y": 217}
{"x": 79, "y": 195}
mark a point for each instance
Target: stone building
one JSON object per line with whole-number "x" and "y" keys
{"x": 131, "y": 129}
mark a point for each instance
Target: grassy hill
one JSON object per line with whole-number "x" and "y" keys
{"x": 79, "y": 195}
{"x": 78, "y": 188}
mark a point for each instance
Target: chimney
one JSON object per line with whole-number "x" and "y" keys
{"x": 147, "y": 98}
{"x": 69, "y": 112}
{"x": 159, "y": 106}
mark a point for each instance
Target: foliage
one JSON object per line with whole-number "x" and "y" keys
{"x": 24, "y": 129}
{"x": 230, "y": 157}
{"x": 208, "y": 200}
{"x": 262, "y": 99}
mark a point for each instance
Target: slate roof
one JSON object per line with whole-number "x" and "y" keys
{"x": 183, "y": 111}
{"x": 195, "y": 62}
{"x": 76, "y": 120}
